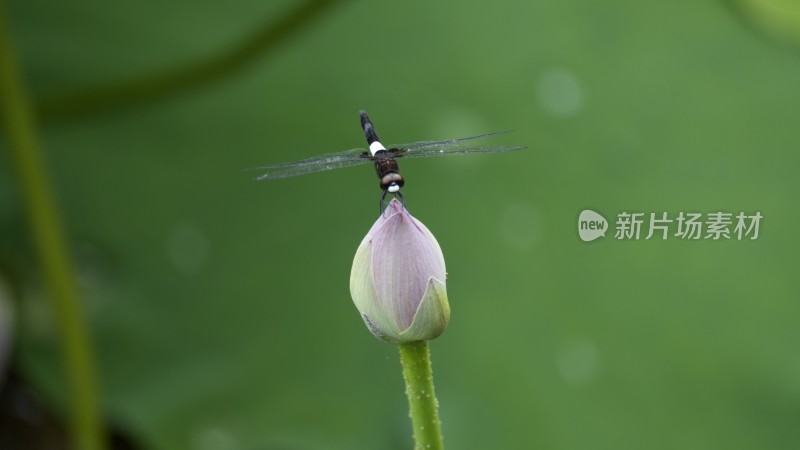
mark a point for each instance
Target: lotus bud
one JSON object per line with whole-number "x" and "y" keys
{"x": 398, "y": 279}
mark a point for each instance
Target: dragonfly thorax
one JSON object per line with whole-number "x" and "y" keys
{"x": 388, "y": 171}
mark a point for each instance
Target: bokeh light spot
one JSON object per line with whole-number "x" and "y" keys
{"x": 559, "y": 93}
{"x": 578, "y": 362}
{"x": 188, "y": 248}
{"x": 521, "y": 226}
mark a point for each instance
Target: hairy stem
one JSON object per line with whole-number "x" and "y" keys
{"x": 416, "y": 360}
{"x": 45, "y": 228}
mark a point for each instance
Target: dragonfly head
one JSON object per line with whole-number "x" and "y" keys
{"x": 392, "y": 182}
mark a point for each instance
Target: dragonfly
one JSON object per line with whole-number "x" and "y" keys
{"x": 385, "y": 160}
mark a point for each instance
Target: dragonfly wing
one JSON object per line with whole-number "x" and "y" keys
{"x": 461, "y": 146}
{"x": 330, "y": 161}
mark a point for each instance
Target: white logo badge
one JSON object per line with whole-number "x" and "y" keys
{"x": 591, "y": 225}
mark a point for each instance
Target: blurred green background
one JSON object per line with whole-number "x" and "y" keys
{"x": 219, "y": 307}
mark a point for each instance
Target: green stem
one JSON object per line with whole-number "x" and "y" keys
{"x": 416, "y": 360}
{"x": 100, "y": 99}
{"x": 46, "y": 232}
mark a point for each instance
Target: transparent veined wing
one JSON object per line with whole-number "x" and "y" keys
{"x": 319, "y": 163}
{"x": 461, "y": 146}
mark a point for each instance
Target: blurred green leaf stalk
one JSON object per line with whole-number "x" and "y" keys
{"x": 398, "y": 285}
{"x": 19, "y": 129}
